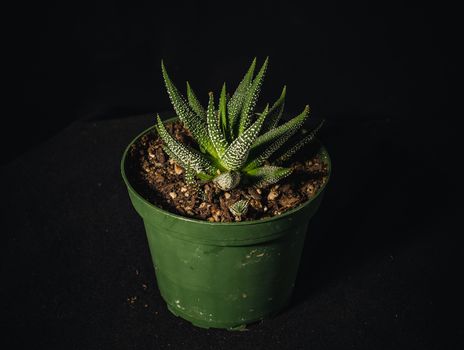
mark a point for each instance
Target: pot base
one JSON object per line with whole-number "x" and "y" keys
{"x": 230, "y": 326}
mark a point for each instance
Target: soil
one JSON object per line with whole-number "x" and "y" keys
{"x": 160, "y": 180}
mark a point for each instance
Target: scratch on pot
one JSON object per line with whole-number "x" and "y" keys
{"x": 199, "y": 311}
{"x": 197, "y": 253}
{"x": 214, "y": 250}
{"x": 232, "y": 297}
{"x": 179, "y": 305}
{"x": 254, "y": 256}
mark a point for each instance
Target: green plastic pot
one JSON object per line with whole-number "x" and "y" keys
{"x": 224, "y": 275}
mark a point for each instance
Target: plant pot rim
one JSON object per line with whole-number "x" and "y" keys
{"x": 324, "y": 152}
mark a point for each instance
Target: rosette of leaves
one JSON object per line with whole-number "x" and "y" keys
{"x": 235, "y": 144}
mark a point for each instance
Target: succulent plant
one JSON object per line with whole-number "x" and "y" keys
{"x": 234, "y": 143}
{"x": 239, "y": 208}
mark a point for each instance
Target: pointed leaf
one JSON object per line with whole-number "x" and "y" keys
{"x": 195, "y": 103}
{"x": 297, "y": 146}
{"x": 214, "y": 131}
{"x": 186, "y": 156}
{"x": 266, "y": 144}
{"x": 251, "y": 97}
{"x": 234, "y": 106}
{"x": 236, "y": 154}
{"x": 268, "y": 175}
{"x": 223, "y": 110}
{"x": 195, "y": 124}
{"x": 266, "y": 111}
{"x": 275, "y": 112}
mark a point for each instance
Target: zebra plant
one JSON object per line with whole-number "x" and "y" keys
{"x": 234, "y": 143}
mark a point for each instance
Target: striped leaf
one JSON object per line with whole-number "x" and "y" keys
{"x": 289, "y": 152}
{"x": 235, "y": 104}
{"x": 186, "y": 156}
{"x": 174, "y": 157}
{"x": 266, "y": 144}
{"x": 268, "y": 175}
{"x": 214, "y": 130}
{"x": 196, "y": 125}
{"x": 251, "y": 98}
{"x": 195, "y": 103}
{"x": 239, "y": 208}
{"x": 237, "y": 153}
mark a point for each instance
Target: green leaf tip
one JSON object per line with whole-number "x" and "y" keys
{"x": 269, "y": 142}
{"x": 195, "y": 103}
{"x": 235, "y": 104}
{"x": 251, "y": 98}
{"x": 289, "y": 152}
{"x": 223, "y": 109}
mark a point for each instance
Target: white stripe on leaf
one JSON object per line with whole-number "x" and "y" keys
{"x": 214, "y": 131}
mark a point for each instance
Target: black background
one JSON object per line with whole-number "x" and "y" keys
{"x": 379, "y": 270}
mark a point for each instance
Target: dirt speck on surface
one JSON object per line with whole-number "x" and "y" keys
{"x": 160, "y": 180}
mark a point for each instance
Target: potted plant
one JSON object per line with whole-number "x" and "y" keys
{"x": 224, "y": 202}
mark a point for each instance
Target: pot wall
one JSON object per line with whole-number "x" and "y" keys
{"x": 225, "y": 282}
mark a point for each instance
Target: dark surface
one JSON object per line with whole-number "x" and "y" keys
{"x": 375, "y": 274}
{"x": 90, "y": 60}
{"x": 382, "y": 262}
